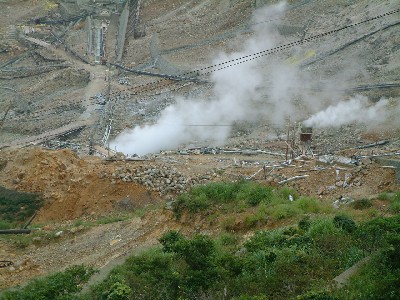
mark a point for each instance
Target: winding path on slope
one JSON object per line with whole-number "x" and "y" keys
{"x": 98, "y": 82}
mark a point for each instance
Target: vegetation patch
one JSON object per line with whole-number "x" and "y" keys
{"x": 17, "y": 207}
{"x": 294, "y": 262}
{"x": 59, "y": 286}
{"x": 361, "y": 204}
{"x": 247, "y": 205}
{"x": 395, "y": 203}
{"x": 240, "y": 195}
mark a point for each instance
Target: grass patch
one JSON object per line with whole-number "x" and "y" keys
{"x": 361, "y": 204}
{"x": 5, "y": 225}
{"x": 395, "y": 203}
{"x": 264, "y": 202}
{"x": 322, "y": 227}
{"x": 229, "y": 196}
{"x": 17, "y": 206}
{"x": 113, "y": 219}
{"x": 254, "y": 194}
{"x": 285, "y": 193}
{"x": 62, "y": 285}
{"x": 283, "y": 211}
{"x": 308, "y": 205}
{"x": 384, "y": 196}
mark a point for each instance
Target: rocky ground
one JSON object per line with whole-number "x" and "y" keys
{"x": 181, "y": 36}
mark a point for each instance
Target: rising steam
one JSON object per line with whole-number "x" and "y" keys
{"x": 236, "y": 93}
{"x": 346, "y": 112}
{"x": 265, "y": 88}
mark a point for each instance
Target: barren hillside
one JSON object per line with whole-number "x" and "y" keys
{"x": 113, "y": 109}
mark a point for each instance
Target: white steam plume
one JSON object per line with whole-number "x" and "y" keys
{"x": 266, "y": 87}
{"x": 346, "y": 112}
{"x": 236, "y": 93}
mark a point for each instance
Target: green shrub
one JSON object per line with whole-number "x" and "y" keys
{"x": 118, "y": 291}
{"x": 228, "y": 240}
{"x": 384, "y": 196}
{"x": 265, "y": 239}
{"x": 254, "y": 194}
{"x": 18, "y": 206}
{"x": 374, "y": 280}
{"x": 5, "y": 225}
{"x": 251, "y": 221}
{"x": 150, "y": 275}
{"x": 246, "y": 297}
{"x": 304, "y": 223}
{"x": 395, "y": 204}
{"x": 58, "y": 286}
{"x": 229, "y": 223}
{"x": 284, "y": 211}
{"x": 374, "y": 233}
{"x": 345, "y": 223}
{"x": 202, "y": 197}
{"x": 308, "y": 205}
{"x": 284, "y": 193}
{"x": 323, "y": 295}
{"x": 277, "y": 239}
{"x": 170, "y": 241}
{"x": 193, "y": 203}
{"x": 361, "y": 204}
{"x": 322, "y": 227}
{"x": 219, "y": 192}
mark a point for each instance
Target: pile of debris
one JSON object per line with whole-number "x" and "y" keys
{"x": 162, "y": 179}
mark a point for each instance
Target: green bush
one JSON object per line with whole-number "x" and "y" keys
{"x": 384, "y": 196}
{"x": 254, "y": 194}
{"x": 284, "y": 211}
{"x": 228, "y": 240}
{"x": 278, "y": 238}
{"x": 345, "y": 223}
{"x": 193, "y": 203}
{"x": 265, "y": 239}
{"x": 374, "y": 280}
{"x": 5, "y": 225}
{"x": 304, "y": 258}
{"x": 361, "y": 204}
{"x": 17, "y": 206}
{"x": 170, "y": 241}
{"x": 261, "y": 297}
{"x": 201, "y": 198}
{"x": 374, "y": 233}
{"x": 322, "y": 227}
{"x": 150, "y": 275}
{"x": 284, "y": 193}
{"x": 58, "y": 286}
{"x": 323, "y": 295}
{"x": 380, "y": 277}
{"x": 395, "y": 204}
{"x": 118, "y": 291}
{"x": 218, "y": 192}
{"x": 308, "y": 205}
{"x": 304, "y": 223}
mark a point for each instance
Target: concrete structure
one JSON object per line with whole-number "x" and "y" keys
{"x": 107, "y": 11}
{"x": 394, "y": 162}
